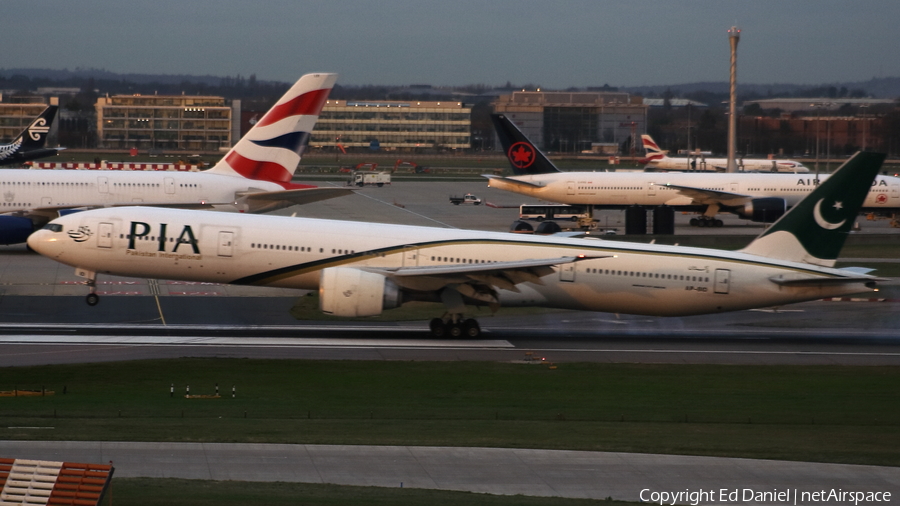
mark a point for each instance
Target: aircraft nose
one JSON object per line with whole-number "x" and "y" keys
{"x": 44, "y": 242}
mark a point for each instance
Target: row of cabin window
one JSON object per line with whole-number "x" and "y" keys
{"x": 307, "y": 249}
{"x": 43, "y": 184}
{"x": 460, "y": 260}
{"x": 676, "y": 277}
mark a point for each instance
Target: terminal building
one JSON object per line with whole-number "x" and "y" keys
{"x": 575, "y": 122}
{"x": 394, "y": 125}
{"x": 167, "y": 122}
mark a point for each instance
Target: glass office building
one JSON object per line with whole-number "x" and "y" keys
{"x": 389, "y": 125}
{"x": 166, "y": 122}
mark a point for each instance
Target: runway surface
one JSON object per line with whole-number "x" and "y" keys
{"x": 575, "y": 474}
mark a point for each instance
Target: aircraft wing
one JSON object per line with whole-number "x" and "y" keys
{"x": 709, "y": 197}
{"x": 478, "y": 281}
{"x": 507, "y": 180}
{"x": 801, "y": 281}
{"x": 294, "y": 197}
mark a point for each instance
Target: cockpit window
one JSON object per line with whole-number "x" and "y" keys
{"x": 53, "y": 227}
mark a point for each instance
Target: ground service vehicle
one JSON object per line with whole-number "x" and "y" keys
{"x": 367, "y": 177}
{"x": 465, "y": 199}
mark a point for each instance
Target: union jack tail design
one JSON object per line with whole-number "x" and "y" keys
{"x": 651, "y": 149}
{"x": 271, "y": 150}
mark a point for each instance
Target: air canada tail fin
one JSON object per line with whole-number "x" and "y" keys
{"x": 815, "y": 229}
{"x": 524, "y": 157}
{"x": 271, "y": 150}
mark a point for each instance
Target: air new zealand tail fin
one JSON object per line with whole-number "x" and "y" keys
{"x": 35, "y": 136}
{"x": 524, "y": 157}
{"x": 815, "y": 229}
{"x": 29, "y": 145}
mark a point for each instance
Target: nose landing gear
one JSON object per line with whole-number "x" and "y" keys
{"x": 92, "y": 298}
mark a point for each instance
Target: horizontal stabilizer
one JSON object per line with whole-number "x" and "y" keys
{"x": 297, "y": 197}
{"x": 506, "y": 180}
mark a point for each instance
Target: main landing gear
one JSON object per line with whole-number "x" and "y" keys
{"x": 454, "y": 326}
{"x": 705, "y": 221}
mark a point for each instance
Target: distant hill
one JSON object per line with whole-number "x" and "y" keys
{"x": 886, "y": 87}
{"x": 103, "y": 75}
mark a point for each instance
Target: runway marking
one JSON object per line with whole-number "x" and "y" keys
{"x": 286, "y": 342}
{"x": 407, "y": 210}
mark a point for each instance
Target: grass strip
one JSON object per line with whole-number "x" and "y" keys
{"x": 840, "y": 414}
{"x": 178, "y": 492}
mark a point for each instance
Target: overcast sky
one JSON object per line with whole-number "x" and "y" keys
{"x": 552, "y": 43}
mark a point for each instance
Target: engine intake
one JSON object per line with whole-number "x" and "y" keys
{"x": 346, "y": 291}
{"x": 15, "y": 229}
{"x": 764, "y": 210}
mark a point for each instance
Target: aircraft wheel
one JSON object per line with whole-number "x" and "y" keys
{"x": 92, "y": 299}
{"x": 438, "y": 328}
{"x": 695, "y": 222}
{"x": 455, "y": 330}
{"x": 471, "y": 329}
{"x": 719, "y": 223}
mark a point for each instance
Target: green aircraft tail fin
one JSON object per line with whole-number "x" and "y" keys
{"x": 815, "y": 229}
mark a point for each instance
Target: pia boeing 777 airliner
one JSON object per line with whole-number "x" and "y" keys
{"x": 360, "y": 269}
{"x": 254, "y": 176}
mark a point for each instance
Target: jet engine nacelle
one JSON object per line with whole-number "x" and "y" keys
{"x": 346, "y": 291}
{"x": 765, "y": 210}
{"x": 15, "y": 229}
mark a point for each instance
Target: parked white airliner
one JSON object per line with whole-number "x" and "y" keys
{"x": 658, "y": 159}
{"x": 254, "y": 176}
{"x": 360, "y": 269}
{"x": 761, "y": 197}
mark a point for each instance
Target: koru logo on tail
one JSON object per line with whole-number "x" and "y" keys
{"x": 521, "y": 155}
{"x": 821, "y": 221}
{"x": 40, "y": 127}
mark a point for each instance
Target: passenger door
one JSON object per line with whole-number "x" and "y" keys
{"x": 226, "y": 244}
{"x": 567, "y": 272}
{"x": 722, "y": 280}
{"x": 104, "y": 235}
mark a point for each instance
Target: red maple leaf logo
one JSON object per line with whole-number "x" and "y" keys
{"x": 521, "y": 155}
{"x": 881, "y": 198}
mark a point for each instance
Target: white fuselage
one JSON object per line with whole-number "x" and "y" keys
{"x": 703, "y": 163}
{"x": 24, "y": 190}
{"x": 291, "y": 252}
{"x": 621, "y": 189}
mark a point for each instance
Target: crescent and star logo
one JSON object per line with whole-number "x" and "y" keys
{"x": 82, "y": 234}
{"x": 821, "y": 221}
{"x": 521, "y": 155}
{"x": 38, "y": 128}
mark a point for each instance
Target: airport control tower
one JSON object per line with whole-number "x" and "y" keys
{"x": 734, "y": 35}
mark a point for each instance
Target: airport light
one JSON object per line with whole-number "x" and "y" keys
{"x": 865, "y": 118}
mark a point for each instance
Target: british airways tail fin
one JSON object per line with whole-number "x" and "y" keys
{"x": 524, "y": 157}
{"x": 815, "y": 229}
{"x": 651, "y": 150}
{"x": 29, "y": 144}
{"x": 271, "y": 150}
